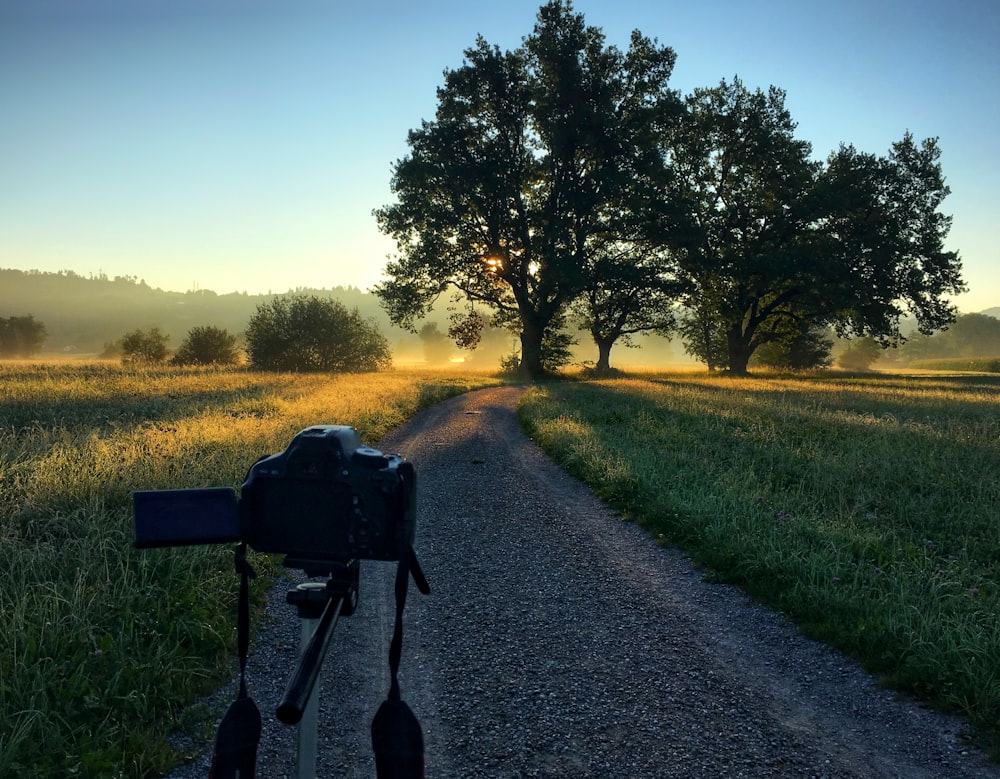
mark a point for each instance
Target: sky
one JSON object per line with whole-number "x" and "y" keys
{"x": 242, "y": 145}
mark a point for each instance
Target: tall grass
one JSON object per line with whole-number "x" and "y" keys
{"x": 866, "y": 509}
{"x": 100, "y": 645}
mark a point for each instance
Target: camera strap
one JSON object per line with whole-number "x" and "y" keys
{"x": 397, "y": 739}
{"x": 246, "y": 573}
{"x": 408, "y": 566}
{"x": 235, "y": 755}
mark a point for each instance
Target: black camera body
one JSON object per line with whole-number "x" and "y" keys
{"x": 328, "y": 497}
{"x": 325, "y": 499}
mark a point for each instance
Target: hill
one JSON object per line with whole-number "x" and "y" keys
{"x": 81, "y": 314}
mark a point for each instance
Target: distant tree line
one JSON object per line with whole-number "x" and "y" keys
{"x": 970, "y": 335}
{"x": 83, "y": 314}
{"x": 308, "y": 333}
{"x": 564, "y": 183}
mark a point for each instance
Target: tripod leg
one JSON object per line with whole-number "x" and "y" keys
{"x": 305, "y": 767}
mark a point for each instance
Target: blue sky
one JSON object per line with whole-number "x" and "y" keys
{"x": 241, "y": 145}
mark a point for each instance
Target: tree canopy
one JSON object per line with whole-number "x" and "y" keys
{"x": 564, "y": 181}
{"x": 144, "y": 346}
{"x": 776, "y": 240}
{"x": 510, "y": 194}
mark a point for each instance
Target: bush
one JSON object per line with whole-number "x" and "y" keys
{"x": 141, "y": 346}
{"x": 21, "y": 336}
{"x": 302, "y": 333}
{"x": 799, "y": 351}
{"x": 207, "y": 346}
{"x": 860, "y": 354}
{"x": 438, "y": 347}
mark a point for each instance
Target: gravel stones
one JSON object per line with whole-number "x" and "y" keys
{"x": 559, "y": 641}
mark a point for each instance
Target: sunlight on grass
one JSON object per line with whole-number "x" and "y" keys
{"x": 865, "y": 508}
{"x": 100, "y": 643}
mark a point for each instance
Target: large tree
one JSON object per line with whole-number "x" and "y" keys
{"x": 777, "y": 240}
{"x": 523, "y": 174}
{"x": 627, "y": 295}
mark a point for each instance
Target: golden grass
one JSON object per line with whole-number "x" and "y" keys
{"x": 101, "y": 644}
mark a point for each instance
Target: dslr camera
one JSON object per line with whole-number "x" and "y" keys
{"x": 324, "y": 501}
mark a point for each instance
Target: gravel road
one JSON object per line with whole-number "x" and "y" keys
{"x": 559, "y": 641}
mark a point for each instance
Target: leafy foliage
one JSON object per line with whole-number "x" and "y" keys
{"x": 860, "y": 355}
{"x": 776, "y": 240}
{"x": 801, "y": 349}
{"x": 207, "y": 345}
{"x": 524, "y": 173}
{"x": 557, "y": 347}
{"x": 971, "y": 335}
{"x": 21, "y": 336}
{"x": 144, "y": 346}
{"x": 308, "y": 333}
{"x": 743, "y": 176}
{"x": 704, "y": 332}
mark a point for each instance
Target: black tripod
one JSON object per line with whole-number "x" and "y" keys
{"x": 397, "y": 739}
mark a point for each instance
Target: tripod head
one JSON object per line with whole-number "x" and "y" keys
{"x": 319, "y": 606}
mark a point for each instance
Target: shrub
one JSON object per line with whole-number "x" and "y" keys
{"x": 301, "y": 333}
{"x": 207, "y": 346}
{"x": 860, "y": 354}
{"x": 142, "y": 346}
{"x": 21, "y": 336}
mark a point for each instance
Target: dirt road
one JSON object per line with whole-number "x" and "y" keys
{"x": 559, "y": 641}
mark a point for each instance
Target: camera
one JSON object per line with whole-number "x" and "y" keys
{"x": 325, "y": 500}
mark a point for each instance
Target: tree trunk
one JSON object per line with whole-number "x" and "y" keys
{"x": 603, "y": 355}
{"x": 706, "y": 333}
{"x": 531, "y": 352}
{"x": 739, "y": 351}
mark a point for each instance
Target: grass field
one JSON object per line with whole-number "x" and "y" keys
{"x": 101, "y": 644}
{"x": 975, "y": 364}
{"x": 866, "y": 509}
